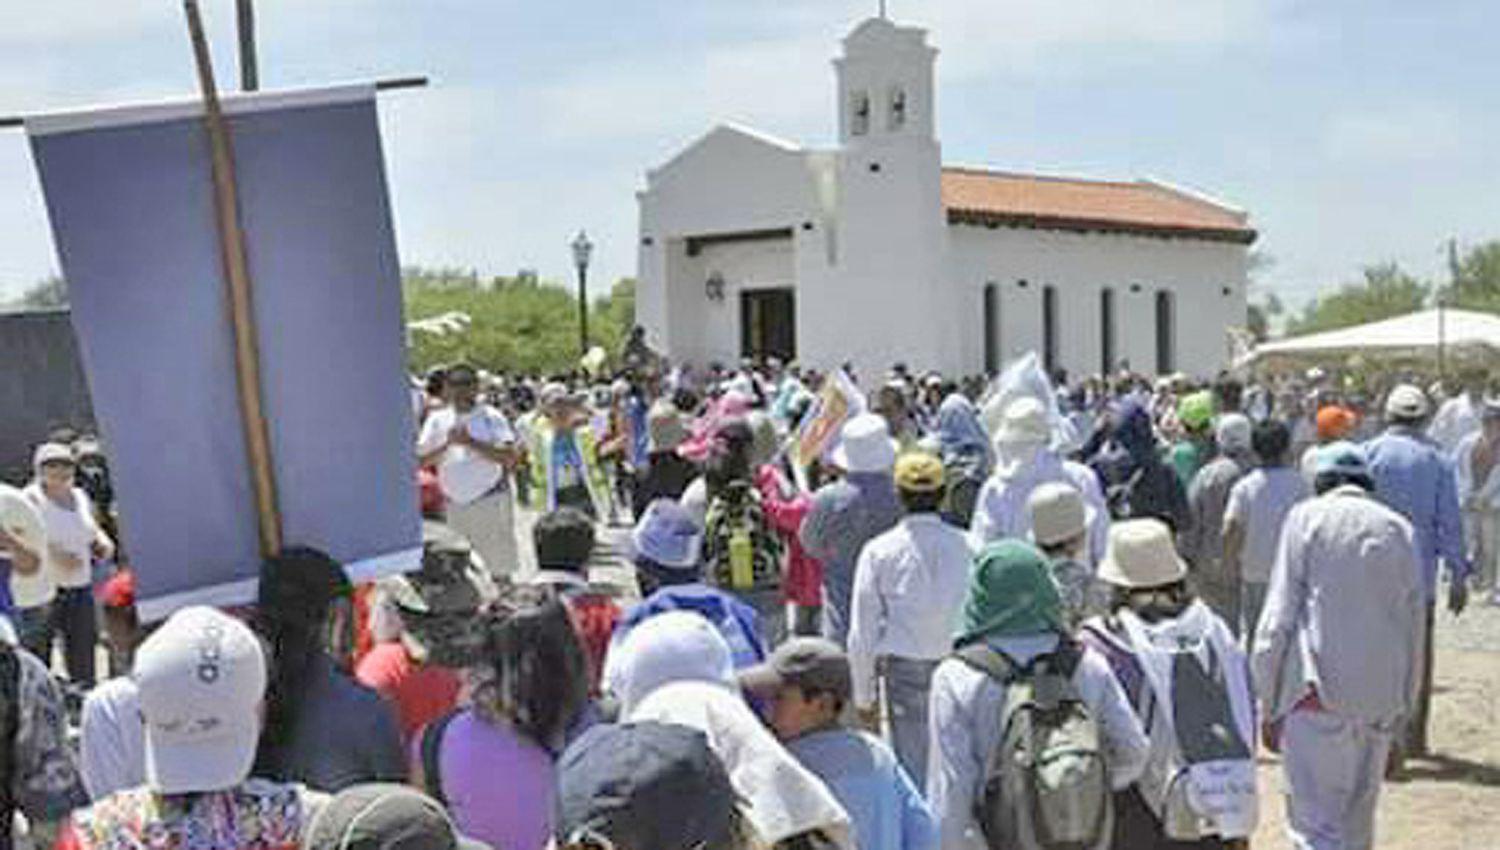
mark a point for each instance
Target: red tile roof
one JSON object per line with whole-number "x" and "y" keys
{"x": 997, "y": 198}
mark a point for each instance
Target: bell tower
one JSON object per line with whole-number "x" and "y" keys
{"x": 891, "y": 228}
{"x": 885, "y": 84}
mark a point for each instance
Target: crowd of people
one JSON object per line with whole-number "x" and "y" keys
{"x": 1023, "y": 618}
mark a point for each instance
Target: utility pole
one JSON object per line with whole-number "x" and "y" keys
{"x": 249, "y": 64}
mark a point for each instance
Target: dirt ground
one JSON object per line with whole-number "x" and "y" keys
{"x": 1450, "y": 801}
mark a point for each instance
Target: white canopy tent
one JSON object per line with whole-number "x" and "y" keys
{"x": 1461, "y": 335}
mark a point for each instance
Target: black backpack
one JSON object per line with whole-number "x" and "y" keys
{"x": 740, "y": 549}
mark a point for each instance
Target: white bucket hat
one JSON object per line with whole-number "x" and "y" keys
{"x": 866, "y": 445}
{"x": 1406, "y": 402}
{"x": 1057, "y": 513}
{"x": 1141, "y": 554}
{"x": 675, "y": 646}
{"x": 1024, "y": 421}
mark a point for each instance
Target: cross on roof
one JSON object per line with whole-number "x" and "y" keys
{"x": 882, "y": 9}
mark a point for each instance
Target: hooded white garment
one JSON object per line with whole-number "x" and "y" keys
{"x": 1000, "y": 509}
{"x": 1223, "y": 791}
{"x": 782, "y": 798}
{"x": 675, "y": 646}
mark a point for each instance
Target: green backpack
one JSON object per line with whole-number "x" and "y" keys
{"x": 1046, "y": 784}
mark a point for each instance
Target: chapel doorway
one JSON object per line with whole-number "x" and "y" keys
{"x": 768, "y": 324}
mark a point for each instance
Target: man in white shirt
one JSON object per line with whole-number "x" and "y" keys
{"x": 472, "y": 446}
{"x": 1458, "y": 417}
{"x": 1258, "y": 507}
{"x": 909, "y": 585}
{"x": 1337, "y": 662}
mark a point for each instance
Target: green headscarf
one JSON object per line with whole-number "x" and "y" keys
{"x": 1012, "y": 592}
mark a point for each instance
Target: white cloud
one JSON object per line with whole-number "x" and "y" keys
{"x": 1407, "y": 133}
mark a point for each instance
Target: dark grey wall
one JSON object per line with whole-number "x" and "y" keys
{"x": 42, "y": 386}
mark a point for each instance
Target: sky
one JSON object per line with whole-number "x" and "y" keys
{"x": 1353, "y": 131}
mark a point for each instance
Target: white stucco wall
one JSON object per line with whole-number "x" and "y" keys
{"x": 1080, "y": 266}
{"x": 732, "y": 180}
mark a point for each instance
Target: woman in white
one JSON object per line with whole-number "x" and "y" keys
{"x": 64, "y": 585}
{"x": 1477, "y": 465}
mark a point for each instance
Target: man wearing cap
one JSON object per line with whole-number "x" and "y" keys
{"x": 1208, "y": 496}
{"x": 433, "y": 612}
{"x": 1060, "y": 528}
{"x": 1413, "y": 477}
{"x": 666, "y": 474}
{"x": 1195, "y": 413}
{"x": 909, "y": 585}
{"x": 667, "y": 547}
{"x": 1253, "y": 519}
{"x": 202, "y": 679}
{"x": 847, "y": 514}
{"x": 806, "y": 683}
{"x": 382, "y": 816}
{"x": 74, "y": 542}
{"x": 1337, "y": 660}
{"x": 473, "y": 447}
{"x": 1477, "y": 466}
{"x": 1334, "y": 422}
{"x": 646, "y": 786}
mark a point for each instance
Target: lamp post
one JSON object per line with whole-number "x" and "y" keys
{"x": 582, "y": 250}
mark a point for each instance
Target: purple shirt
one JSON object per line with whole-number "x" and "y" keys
{"x": 499, "y": 785}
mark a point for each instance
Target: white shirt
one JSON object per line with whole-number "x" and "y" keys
{"x": 1344, "y": 611}
{"x": 112, "y": 750}
{"x": 71, "y": 530}
{"x": 1486, "y": 493}
{"x": 464, "y": 474}
{"x": 1259, "y": 503}
{"x": 1455, "y": 420}
{"x": 1000, "y": 509}
{"x": 967, "y": 710}
{"x": 909, "y": 585}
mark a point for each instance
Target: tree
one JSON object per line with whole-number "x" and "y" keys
{"x": 1263, "y": 305}
{"x": 1477, "y": 279}
{"x": 1386, "y": 291}
{"x": 47, "y": 294}
{"x": 517, "y": 324}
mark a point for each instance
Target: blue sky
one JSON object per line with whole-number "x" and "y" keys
{"x": 1353, "y": 130}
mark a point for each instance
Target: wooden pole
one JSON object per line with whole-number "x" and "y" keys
{"x": 236, "y": 269}
{"x": 249, "y": 62}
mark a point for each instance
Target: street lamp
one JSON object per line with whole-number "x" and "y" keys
{"x": 582, "y": 250}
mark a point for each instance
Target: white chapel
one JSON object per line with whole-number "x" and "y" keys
{"x": 876, "y": 252}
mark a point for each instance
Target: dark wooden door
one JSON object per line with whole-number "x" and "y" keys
{"x": 768, "y": 323}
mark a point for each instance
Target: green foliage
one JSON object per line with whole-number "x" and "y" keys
{"x": 44, "y": 295}
{"x": 1385, "y": 291}
{"x": 1477, "y": 279}
{"x": 518, "y": 324}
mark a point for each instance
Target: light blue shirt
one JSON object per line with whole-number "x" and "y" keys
{"x": 1414, "y": 478}
{"x": 967, "y": 708}
{"x": 863, "y": 773}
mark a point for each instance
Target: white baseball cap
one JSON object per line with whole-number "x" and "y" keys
{"x": 201, "y": 677}
{"x": 675, "y": 646}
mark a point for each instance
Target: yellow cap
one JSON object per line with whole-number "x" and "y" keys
{"x": 919, "y": 472}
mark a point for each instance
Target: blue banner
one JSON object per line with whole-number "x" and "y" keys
{"x": 130, "y": 197}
